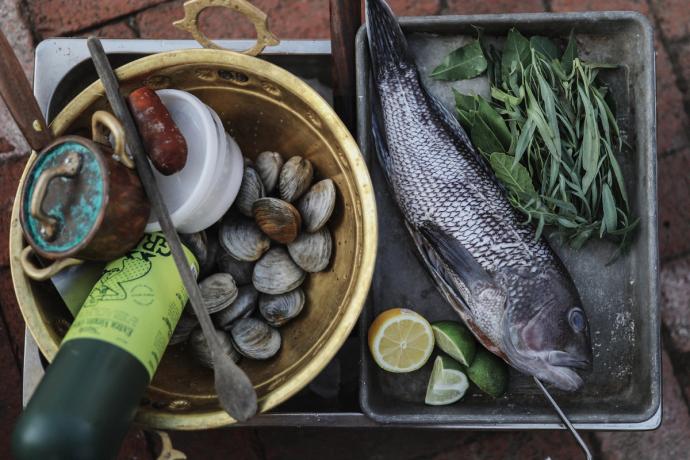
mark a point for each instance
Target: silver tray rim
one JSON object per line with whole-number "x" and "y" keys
{"x": 652, "y": 417}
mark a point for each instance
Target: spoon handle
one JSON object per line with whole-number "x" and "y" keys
{"x": 235, "y": 391}
{"x": 15, "y": 90}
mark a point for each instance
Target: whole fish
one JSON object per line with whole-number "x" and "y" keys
{"x": 510, "y": 288}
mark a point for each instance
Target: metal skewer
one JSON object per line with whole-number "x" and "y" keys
{"x": 565, "y": 420}
{"x": 235, "y": 391}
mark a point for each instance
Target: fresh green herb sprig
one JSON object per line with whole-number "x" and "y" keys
{"x": 548, "y": 133}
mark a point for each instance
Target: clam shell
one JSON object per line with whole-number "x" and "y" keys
{"x": 279, "y": 309}
{"x": 255, "y": 339}
{"x": 316, "y": 206}
{"x": 202, "y": 352}
{"x": 184, "y": 328}
{"x": 251, "y": 190}
{"x": 278, "y": 219}
{"x": 212, "y": 250}
{"x": 312, "y": 251}
{"x": 218, "y": 291}
{"x": 295, "y": 178}
{"x": 276, "y": 273}
{"x": 268, "y": 165}
{"x": 242, "y": 239}
{"x": 243, "y": 306}
{"x": 197, "y": 244}
{"x": 241, "y": 271}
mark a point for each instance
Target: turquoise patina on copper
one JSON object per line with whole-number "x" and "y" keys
{"x": 74, "y": 201}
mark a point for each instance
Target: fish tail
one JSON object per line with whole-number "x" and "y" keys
{"x": 387, "y": 43}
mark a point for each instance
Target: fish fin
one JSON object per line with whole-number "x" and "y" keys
{"x": 451, "y": 267}
{"x": 455, "y": 256}
{"x": 379, "y": 138}
{"x": 387, "y": 42}
{"x": 452, "y": 287}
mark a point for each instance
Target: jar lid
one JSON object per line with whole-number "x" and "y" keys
{"x": 63, "y": 198}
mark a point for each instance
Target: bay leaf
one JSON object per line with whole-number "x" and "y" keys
{"x": 465, "y": 62}
{"x": 516, "y": 54}
{"x": 545, "y": 46}
{"x": 514, "y": 176}
{"x": 484, "y": 138}
{"x": 569, "y": 54}
{"x": 495, "y": 122}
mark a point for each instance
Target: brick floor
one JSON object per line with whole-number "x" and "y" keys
{"x": 28, "y": 21}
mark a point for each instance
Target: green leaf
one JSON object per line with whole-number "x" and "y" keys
{"x": 466, "y": 102}
{"x": 569, "y": 54}
{"x": 514, "y": 176}
{"x": 609, "y": 205}
{"x": 465, "y": 62}
{"x": 465, "y": 108}
{"x": 544, "y": 46}
{"x": 466, "y": 118}
{"x": 506, "y": 98}
{"x": 516, "y": 54}
{"x": 495, "y": 122}
{"x": 580, "y": 238}
{"x": 484, "y": 138}
{"x": 524, "y": 140}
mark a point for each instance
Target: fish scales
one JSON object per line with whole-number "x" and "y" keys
{"x": 436, "y": 176}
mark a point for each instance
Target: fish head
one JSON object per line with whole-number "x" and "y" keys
{"x": 546, "y": 328}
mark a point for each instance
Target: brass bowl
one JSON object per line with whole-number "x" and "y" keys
{"x": 264, "y": 108}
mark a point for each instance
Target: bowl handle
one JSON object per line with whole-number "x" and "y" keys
{"x": 42, "y": 274}
{"x": 108, "y": 120}
{"x": 190, "y": 23}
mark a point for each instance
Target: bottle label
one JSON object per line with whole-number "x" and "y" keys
{"x": 136, "y": 303}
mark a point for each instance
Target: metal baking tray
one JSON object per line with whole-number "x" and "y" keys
{"x": 623, "y": 392}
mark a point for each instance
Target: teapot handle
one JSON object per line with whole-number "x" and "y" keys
{"x": 69, "y": 167}
{"x": 190, "y": 23}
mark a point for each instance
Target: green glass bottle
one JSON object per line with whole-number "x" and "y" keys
{"x": 90, "y": 393}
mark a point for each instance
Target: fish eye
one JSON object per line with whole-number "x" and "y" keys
{"x": 577, "y": 320}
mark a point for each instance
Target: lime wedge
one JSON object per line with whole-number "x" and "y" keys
{"x": 447, "y": 383}
{"x": 456, "y": 340}
{"x": 489, "y": 373}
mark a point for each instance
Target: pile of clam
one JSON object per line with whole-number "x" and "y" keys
{"x": 253, "y": 263}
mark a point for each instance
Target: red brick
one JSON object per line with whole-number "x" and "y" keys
{"x": 674, "y": 204}
{"x": 675, "y": 301}
{"x": 297, "y": 19}
{"x": 10, "y": 396}
{"x": 672, "y": 120}
{"x": 495, "y": 6}
{"x": 289, "y": 443}
{"x": 525, "y": 445}
{"x": 11, "y": 167}
{"x": 600, "y": 5}
{"x": 233, "y": 443}
{"x": 671, "y": 441}
{"x": 62, "y": 17}
{"x": 682, "y": 53}
{"x": 5, "y": 146}
{"x": 345, "y": 444}
{"x": 14, "y": 322}
{"x": 15, "y": 27}
{"x": 414, "y": 7}
{"x": 135, "y": 447}
{"x": 115, "y": 30}
{"x": 674, "y": 18}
